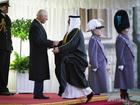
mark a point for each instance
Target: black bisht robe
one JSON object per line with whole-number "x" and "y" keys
{"x": 71, "y": 61}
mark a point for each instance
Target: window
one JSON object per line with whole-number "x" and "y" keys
{"x": 88, "y": 14}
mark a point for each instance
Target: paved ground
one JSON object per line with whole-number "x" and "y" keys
{"x": 134, "y": 96}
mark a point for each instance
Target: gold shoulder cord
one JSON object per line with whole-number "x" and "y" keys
{"x": 2, "y": 25}
{"x": 65, "y": 37}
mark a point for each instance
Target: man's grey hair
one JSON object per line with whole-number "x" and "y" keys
{"x": 41, "y": 12}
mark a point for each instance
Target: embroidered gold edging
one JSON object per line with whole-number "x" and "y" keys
{"x": 70, "y": 40}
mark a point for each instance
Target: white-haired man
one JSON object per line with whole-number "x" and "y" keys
{"x": 38, "y": 60}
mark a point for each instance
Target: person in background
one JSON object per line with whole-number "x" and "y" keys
{"x": 5, "y": 47}
{"x": 97, "y": 58}
{"x": 71, "y": 63}
{"x": 38, "y": 59}
{"x": 124, "y": 75}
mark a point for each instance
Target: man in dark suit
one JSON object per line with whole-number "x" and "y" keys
{"x": 5, "y": 47}
{"x": 39, "y": 66}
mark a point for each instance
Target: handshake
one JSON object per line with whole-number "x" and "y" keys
{"x": 55, "y": 49}
{"x": 55, "y": 43}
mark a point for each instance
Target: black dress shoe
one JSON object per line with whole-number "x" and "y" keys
{"x": 59, "y": 94}
{"x": 41, "y": 97}
{"x": 70, "y": 98}
{"x": 6, "y": 93}
{"x": 89, "y": 97}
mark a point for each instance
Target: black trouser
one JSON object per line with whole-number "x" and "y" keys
{"x": 38, "y": 88}
{"x": 60, "y": 74}
{"x": 4, "y": 70}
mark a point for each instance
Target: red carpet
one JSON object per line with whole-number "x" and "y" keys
{"x": 26, "y": 99}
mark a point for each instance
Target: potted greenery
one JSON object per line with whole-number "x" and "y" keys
{"x": 21, "y": 65}
{"x": 20, "y": 29}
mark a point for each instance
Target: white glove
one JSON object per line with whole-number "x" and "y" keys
{"x": 94, "y": 69}
{"x": 121, "y": 67}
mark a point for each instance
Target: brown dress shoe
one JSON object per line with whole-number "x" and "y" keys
{"x": 123, "y": 94}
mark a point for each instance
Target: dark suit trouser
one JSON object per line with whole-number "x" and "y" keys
{"x": 4, "y": 70}
{"x": 38, "y": 88}
{"x": 60, "y": 74}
